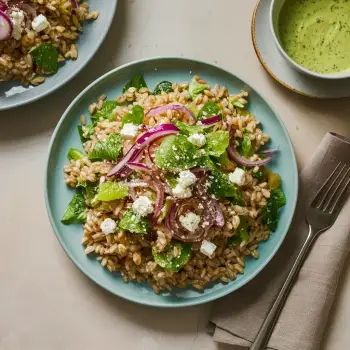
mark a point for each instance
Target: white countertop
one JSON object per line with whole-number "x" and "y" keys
{"x": 45, "y": 302}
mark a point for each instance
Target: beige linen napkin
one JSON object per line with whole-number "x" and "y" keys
{"x": 238, "y": 317}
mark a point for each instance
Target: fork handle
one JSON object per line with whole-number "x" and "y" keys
{"x": 267, "y": 327}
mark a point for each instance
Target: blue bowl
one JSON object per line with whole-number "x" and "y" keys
{"x": 65, "y": 136}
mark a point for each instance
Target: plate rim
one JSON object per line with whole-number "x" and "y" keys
{"x": 74, "y": 73}
{"x": 187, "y": 302}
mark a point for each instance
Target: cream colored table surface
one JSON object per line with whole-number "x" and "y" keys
{"x": 45, "y": 302}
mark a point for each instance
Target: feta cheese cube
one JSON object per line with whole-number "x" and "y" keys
{"x": 17, "y": 18}
{"x": 186, "y": 178}
{"x": 182, "y": 192}
{"x": 129, "y": 130}
{"x": 142, "y": 206}
{"x": 108, "y": 226}
{"x": 207, "y": 248}
{"x": 40, "y": 23}
{"x": 198, "y": 140}
{"x": 190, "y": 221}
{"x": 237, "y": 177}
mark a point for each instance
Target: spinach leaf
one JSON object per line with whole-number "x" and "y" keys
{"x": 188, "y": 129}
{"x": 106, "y": 112}
{"x": 196, "y": 88}
{"x": 109, "y": 191}
{"x": 109, "y": 149}
{"x": 246, "y": 147}
{"x": 217, "y": 142}
{"x": 165, "y": 86}
{"x": 241, "y": 233}
{"x": 46, "y": 57}
{"x": 260, "y": 174}
{"x": 135, "y": 117}
{"x": 76, "y": 210}
{"x": 87, "y": 130}
{"x": 208, "y": 110}
{"x": 221, "y": 187}
{"x": 138, "y": 82}
{"x": 269, "y": 213}
{"x": 134, "y": 223}
{"x": 75, "y": 154}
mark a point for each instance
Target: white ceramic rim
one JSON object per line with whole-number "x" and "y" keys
{"x": 306, "y": 71}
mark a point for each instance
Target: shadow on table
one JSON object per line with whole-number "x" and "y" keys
{"x": 43, "y": 115}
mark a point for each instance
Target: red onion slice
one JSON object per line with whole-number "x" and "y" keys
{"x": 6, "y": 26}
{"x": 219, "y": 220}
{"x": 139, "y": 167}
{"x": 210, "y": 121}
{"x": 3, "y": 6}
{"x": 235, "y": 156}
{"x": 165, "y": 108}
{"x": 30, "y": 10}
{"x": 141, "y": 143}
{"x": 74, "y": 3}
{"x": 269, "y": 151}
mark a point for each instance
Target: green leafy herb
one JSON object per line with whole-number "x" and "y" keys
{"x": 76, "y": 210}
{"x": 85, "y": 132}
{"x": 241, "y": 233}
{"x": 135, "y": 117}
{"x": 269, "y": 213}
{"x": 221, "y": 187}
{"x": 90, "y": 189}
{"x": 106, "y": 112}
{"x": 109, "y": 149}
{"x": 138, "y": 82}
{"x": 260, "y": 174}
{"x": 176, "y": 153}
{"x": 171, "y": 179}
{"x": 246, "y": 147}
{"x": 168, "y": 261}
{"x": 196, "y": 88}
{"x": 193, "y": 109}
{"x": 217, "y": 142}
{"x": 46, "y": 57}
{"x": 165, "y": 86}
{"x": 134, "y": 223}
{"x": 238, "y": 101}
{"x": 208, "y": 110}
{"x": 188, "y": 129}
{"x": 109, "y": 191}
{"x": 75, "y": 154}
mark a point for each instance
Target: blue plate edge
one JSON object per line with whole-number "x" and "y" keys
{"x": 188, "y": 302}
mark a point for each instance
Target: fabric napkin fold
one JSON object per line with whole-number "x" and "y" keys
{"x": 238, "y": 317}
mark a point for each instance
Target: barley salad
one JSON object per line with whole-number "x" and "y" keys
{"x": 37, "y": 36}
{"x": 172, "y": 184}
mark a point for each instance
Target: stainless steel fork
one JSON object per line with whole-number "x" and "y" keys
{"x": 320, "y": 216}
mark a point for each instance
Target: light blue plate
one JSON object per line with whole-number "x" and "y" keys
{"x": 13, "y": 94}
{"x": 65, "y": 136}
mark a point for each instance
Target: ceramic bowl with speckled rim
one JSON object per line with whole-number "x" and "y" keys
{"x": 13, "y": 94}
{"x": 58, "y": 194}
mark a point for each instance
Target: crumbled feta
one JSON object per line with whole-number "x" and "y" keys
{"x": 142, "y": 206}
{"x": 237, "y": 177}
{"x": 182, "y": 192}
{"x": 17, "y": 18}
{"x": 40, "y": 23}
{"x": 129, "y": 130}
{"x": 108, "y": 226}
{"x": 190, "y": 221}
{"x": 198, "y": 140}
{"x": 186, "y": 178}
{"x": 207, "y": 248}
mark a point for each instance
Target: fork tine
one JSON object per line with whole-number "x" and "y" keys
{"x": 320, "y": 196}
{"x": 342, "y": 192}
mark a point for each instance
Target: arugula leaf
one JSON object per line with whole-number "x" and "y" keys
{"x": 106, "y": 112}
{"x": 138, "y": 82}
{"x": 269, "y": 213}
{"x": 217, "y": 142}
{"x": 134, "y": 223}
{"x": 135, "y": 117}
{"x": 75, "y": 154}
{"x": 165, "y": 86}
{"x": 109, "y": 149}
{"x": 221, "y": 187}
{"x": 176, "y": 153}
{"x": 109, "y": 191}
{"x": 196, "y": 88}
{"x": 76, "y": 210}
{"x": 46, "y": 57}
{"x": 241, "y": 233}
{"x": 188, "y": 129}
{"x": 208, "y": 110}
{"x": 89, "y": 131}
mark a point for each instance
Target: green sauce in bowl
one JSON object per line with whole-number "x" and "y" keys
{"x": 316, "y": 34}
